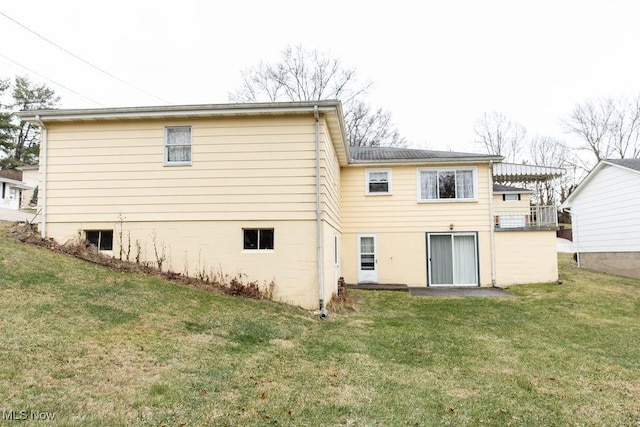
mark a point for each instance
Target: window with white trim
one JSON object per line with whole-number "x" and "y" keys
{"x": 101, "y": 239}
{"x": 446, "y": 184}
{"x": 177, "y": 145}
{"x": 378, "y": 181}
{"x": 258, "y": 238}
{"x": 511, "y": 197}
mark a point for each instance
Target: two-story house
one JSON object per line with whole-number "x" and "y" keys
{"x": 272, "y": 191}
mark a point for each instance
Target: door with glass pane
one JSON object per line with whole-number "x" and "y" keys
{"x": 367, "y": 259}
{"x": 452, "y": 259}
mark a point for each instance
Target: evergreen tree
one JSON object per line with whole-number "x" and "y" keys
{"x": 19, "y": 140}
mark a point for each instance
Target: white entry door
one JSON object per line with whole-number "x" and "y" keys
{"x": 367, "y": 259}
{"x": 452, "y": 259}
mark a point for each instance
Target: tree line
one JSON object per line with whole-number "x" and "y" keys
{"x": 606, "y": 127}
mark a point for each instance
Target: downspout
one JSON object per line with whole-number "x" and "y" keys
{"x": 492, "y": 225}
{"x": 574, "y": 235}
{"x": 323, "y": 310}
{"x": 43, "y": 183}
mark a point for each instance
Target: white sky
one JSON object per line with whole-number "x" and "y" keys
{"x": 436, "y": 65}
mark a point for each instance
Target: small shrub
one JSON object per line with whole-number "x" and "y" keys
{"x": 342, "y": 302}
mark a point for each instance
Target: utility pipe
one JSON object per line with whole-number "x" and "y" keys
{"x": 323, "y": 310}
{"x": 43, "y": 181}
{"x": 492, "y": 225}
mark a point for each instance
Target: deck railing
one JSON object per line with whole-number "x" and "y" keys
{"x": 531, "y": 218}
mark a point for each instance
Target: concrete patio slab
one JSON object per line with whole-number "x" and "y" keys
{"x": 460, "y": 292}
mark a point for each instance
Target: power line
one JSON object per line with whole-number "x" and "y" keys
{"x": 52, "y": 81}
{"x": 82, "y": 59}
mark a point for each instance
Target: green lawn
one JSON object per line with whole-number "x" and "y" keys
{"x": 101, "y": 347}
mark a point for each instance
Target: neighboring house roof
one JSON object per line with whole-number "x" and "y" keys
{"x": 511, "y": 172}
{"x": 14, "y": 183}
{"x": 632, "y": 165}
{"x": 499, "y": 188}
{"x": 411, "y": 155}
{"x": 625, "y": 163}
{"x": 12, "y": 174}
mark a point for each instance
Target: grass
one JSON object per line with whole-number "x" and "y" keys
{"x": 101, "y": 347}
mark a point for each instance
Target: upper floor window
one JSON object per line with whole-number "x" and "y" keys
{"x": 177, "y": 145}
{"x": 511, "y": 197}
{"x": 378, "y": 181}
{"x": 446, "y": 184}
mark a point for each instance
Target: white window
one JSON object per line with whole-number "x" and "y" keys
{"x": 511, "y": 197}
{"x": 177, "y": 145}
{"x": 258, "y": 238}
{"x": 378, "y": 181}
{"x": 447, "y": 184}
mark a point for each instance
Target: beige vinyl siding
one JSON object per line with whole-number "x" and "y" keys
{"x": 516, "y": 205}
{"x": 526, "y": 257}
{"x": 330, "y": 173}
{"x": 401, "y": 212}
{"x": 257, "y": 168}
{"x": 400, "y": 223}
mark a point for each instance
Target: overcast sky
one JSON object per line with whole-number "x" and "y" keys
{"x": 435, "y": 65}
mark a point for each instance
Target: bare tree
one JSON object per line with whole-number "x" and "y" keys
{"x": 547, "y": 151}
{"x": 592, "y": 121}
{"x": 624, "y": 129}
{"x": 310, "y": 75}
{"x": 608, "y": 128}
{"x": 369, "y": 128}
{"x": 499, "y": 135}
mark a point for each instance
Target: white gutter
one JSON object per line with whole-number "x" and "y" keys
{"x": 492, "y": 227}
{"x": 323, "y": 310}
{"x": 43, "y": 191}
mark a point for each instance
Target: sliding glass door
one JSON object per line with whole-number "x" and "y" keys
{"x": 452, "y": 259}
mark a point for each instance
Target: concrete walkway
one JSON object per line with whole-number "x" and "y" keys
{"x": 564, "y": 245}
{"x": 14, "y": 215}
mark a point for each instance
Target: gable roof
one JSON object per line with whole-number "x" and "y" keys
{"x": 625, "y": 163}
{"x": 411, "y": 155}
{"x": 631, "y": 165}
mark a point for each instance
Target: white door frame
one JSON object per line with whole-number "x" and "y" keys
{"x": 368, "y": 275}
{"x": 476, "y": 255}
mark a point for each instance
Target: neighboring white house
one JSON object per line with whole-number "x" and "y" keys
{"x": 605, "y": 215}
{"x": 12, "y": 188}
{"x": 30, "y": 179}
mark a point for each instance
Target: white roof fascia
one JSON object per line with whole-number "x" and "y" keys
{"x": 594, "y": 171}
{"x": 14, "y": 183}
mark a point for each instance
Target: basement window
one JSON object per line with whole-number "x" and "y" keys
{"x": 101, "y": 239}
{"x": 258, "y": 238}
